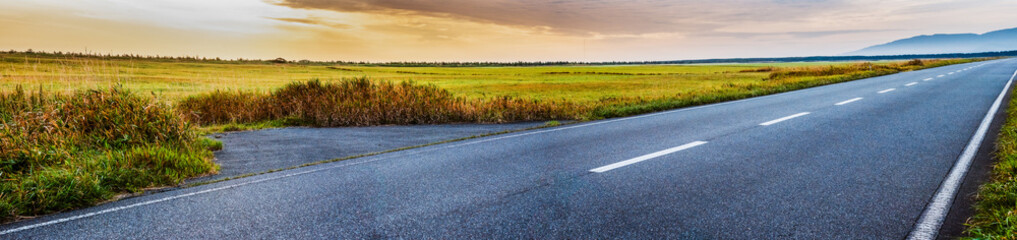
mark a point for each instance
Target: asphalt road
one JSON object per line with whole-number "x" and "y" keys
{"x": 270, "y": 149}
{"x": 865, "y": 169}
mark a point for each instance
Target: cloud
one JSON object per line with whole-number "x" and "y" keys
{"x": 794, "y": 34}
{"x": 610, "y": 17}
{"x": 314, "y": 21}
{"x": 487, "y": 30}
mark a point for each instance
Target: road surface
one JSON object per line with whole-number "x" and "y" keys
{"x": 857, "y": 160}
{"x": 270, "y": 149}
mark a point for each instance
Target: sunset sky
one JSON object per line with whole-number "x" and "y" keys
{"x": 486, "y": 30}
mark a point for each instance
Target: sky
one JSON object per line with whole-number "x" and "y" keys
{"x": 486, "y": 30}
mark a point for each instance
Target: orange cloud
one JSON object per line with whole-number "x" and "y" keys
{"x": 314, "y": 21}
{"x": 585, "y": 17}
{"x": 485, "y": 30}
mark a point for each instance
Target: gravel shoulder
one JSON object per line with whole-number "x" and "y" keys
{"x": 264, "y": 150}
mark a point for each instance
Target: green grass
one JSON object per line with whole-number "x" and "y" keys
{"x": 173, "y": 81}
{"x": 61, "y": 152}
{"x": 362, "y": 102}
{"x": 778, "y": 79}
{"x": 595, "y": 91}
{"x": 996, "y": 203}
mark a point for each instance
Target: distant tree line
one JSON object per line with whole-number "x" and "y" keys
{"x": 836, "y": 58}
{"x": 156, "y": 58}
{"x": 508, "y": 64}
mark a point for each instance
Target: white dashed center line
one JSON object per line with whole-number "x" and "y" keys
{"x": 848, "y": 101}
{"x": 911, "y": 84}
{"x": 647, "y": 157}
{"x": 888, "y": 90}
{"x": 927, "y": 79}
{"x": 783, "y": 119}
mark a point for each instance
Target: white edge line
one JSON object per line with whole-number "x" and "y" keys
{"x": 928, "y": 225}
{"x": 67, "y": 219}
{"x": 911, "y": 84}
{"x": 613, "y": 166}
{"x": 783, "y": 119}
{"x": 849, "y": 101}
{"x": 887, "y": 90}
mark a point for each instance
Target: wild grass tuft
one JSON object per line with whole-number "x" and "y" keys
{"x": 60, "y": 152}
{"x": 996, "y": 203}
{"x": 361, "y": 102}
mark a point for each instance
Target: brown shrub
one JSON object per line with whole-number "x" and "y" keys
{"x": 361, "y": 102}
{"x": 59, "y": 152}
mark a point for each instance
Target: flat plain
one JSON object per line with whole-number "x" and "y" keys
{"x": 174, "y": 80}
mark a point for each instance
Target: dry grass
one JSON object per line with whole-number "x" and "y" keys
{"x": 61, "y": 152}
{"x": 818, "y": 71}
{"x": 779, "y": 79}
{"x": 173, "y": 81}
{"x": 996, "y": 203}
{"x": 361, "y": 102}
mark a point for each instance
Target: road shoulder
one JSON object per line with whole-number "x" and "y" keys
{"x": 252, "y": 152}
{"x": 981, "y": 168}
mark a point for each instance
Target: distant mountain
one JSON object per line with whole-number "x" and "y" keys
{"x": 997, "y": 41}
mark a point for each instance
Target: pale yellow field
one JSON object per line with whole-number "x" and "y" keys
{"x": 175, "y": 80}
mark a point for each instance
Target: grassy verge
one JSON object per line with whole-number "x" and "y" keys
{"x": 60, "y": 152}
{"x": 779, "y": 80}
{"x": 361, "y": 102}
{"x": 996, "y": 203}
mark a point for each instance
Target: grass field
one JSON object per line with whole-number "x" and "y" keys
{"x": 175, "y": 80}
{"x": 603, "y": 91}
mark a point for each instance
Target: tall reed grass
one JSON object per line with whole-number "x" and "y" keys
{"x": 362, "y": 102}
{"x": 60, "y": 152}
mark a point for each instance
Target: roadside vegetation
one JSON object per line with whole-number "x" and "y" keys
{"x": 60, "y": 152}
{"x": 173, "y": 81}
{"x": 996, "y": 203}
{"x": 77, "y": 141}
{"x": 361, "y": 102}
{"x": 778, "y": 79}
